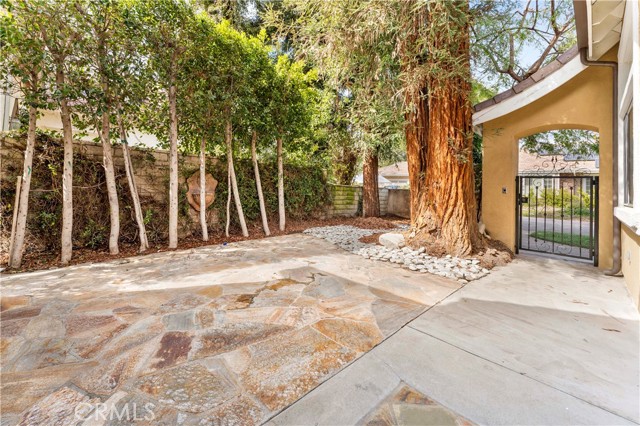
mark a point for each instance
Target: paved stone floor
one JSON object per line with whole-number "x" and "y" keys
{"x": 215, "y": 335}
{"x": 541, "y": 341}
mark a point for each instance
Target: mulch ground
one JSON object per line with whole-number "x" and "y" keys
{"x": 47, "y": 260}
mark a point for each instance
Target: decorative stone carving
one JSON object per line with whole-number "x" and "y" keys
{"x": 193, "y": 192}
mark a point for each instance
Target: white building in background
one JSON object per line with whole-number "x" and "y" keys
{"x": 8, "y": 111}
{"x": 50, "y": 120}
{"x": 397, "y": 174}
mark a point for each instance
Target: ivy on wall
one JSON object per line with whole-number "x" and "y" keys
{"x": 305, "y": 187}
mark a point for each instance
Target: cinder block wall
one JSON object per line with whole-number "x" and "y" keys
{"x": 151, "y": 166}
{"x": 346, "y": 200}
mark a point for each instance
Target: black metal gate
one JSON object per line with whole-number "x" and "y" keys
{"x": 558, "y": 215}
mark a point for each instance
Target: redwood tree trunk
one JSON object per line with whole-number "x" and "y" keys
{"x": 370, "y": 191}
{"x": 281, "y": 211}
{"x": 67, "y": 177}
{"x": 440, "y": 144}
{"x": 173, "y": 166}
{"x": 128, "y": 167}
{"x": 256, "y": 170}
{"x": 17, "y": 240}
{"x": 112, "y": 192}
{"x": 416, "y": 133}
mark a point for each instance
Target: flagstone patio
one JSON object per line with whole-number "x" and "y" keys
{"x": 221, "y": 334}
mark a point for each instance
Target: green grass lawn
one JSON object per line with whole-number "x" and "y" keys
{"x": 563, "y": 238}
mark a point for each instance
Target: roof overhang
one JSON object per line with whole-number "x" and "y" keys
{"x": 514, "y": 99}
{"x": 598, "y": 25}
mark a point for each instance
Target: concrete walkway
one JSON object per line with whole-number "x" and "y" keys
{"x": 541, "y": 341}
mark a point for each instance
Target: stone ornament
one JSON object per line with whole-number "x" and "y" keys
{"x": 193, "y": 191}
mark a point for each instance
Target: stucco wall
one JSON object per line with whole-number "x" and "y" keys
{"x": 583, "y": 102}
{"x": 631, "y": 262}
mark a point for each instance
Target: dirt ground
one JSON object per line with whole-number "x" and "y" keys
{"x": 39, "y": 260}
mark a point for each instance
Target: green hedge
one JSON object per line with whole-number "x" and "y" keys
{"x": 306, "y": 189}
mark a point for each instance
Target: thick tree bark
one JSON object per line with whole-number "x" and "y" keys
{"x": 281, "y": 211}
{"x": 228, "y": 135}
{"x": 128, "y": 167}
{"x": 173, "y": 165}
{"x": 67, "y": 177}
{"x": 416, "y": 131}
{"x": 256, "y": 169}
{"x": 370, "y": 191}
{"x": 440, "y": 145}
{"x": 203, "y": 191}
{"x": 110, "y": 177}
{"x": 17, "y": 239}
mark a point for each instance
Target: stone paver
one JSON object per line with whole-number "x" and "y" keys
{"x": 224, "y": 335}
{"x": 540, "y": 341}
{"x": 406, "y": 406}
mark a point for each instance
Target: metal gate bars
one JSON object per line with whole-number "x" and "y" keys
{"x": 558, "y": 215}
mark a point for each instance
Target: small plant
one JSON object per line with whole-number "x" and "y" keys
{"x": 93, "y": 235}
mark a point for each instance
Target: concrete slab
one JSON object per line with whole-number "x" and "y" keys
{"x": 347, "y": 398}
{"x": 561, "y": 323}
{"x": 480, "y": 390}
{"x": 540, "y": 341}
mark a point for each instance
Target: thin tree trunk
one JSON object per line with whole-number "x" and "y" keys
{"x": 229, "y": 191}
{"x": 370, "y": 191}
{"x": 203, "y": 191}
{"x": 17, "y": 239}
{"x": 173, "y": 165}
{"x": 281, "y": 211}
{"x": 232, "y": 173}
{"x": 256, "y": 169}
{"x": 443, "y": 206}
{"x": 67, "y": 177}
{"x": 144, "y": 242}
{"x": 112, "y": 192}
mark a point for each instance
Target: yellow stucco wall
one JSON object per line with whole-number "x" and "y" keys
{"x": 631, "y": 262}
{"x": 583, "y": 102}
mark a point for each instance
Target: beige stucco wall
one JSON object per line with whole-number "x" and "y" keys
{"x": 583, "y": 102}
{"x": 631, "y": 262}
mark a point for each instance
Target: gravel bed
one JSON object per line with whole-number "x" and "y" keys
{"x": 346, "y": 237}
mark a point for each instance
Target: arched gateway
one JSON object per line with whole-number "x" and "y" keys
{"x": 565, "y": 94}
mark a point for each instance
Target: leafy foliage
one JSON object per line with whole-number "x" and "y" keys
{"x": 567, "y": 141}
{"x": 512, "y": 40}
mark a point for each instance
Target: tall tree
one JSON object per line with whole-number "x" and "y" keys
{"x": 430, "y": 44}
{"x": 257, "y": 118}
{"x": 61, "y": 34}
{"x": 200, "y": 101}
{"x": 293, "y": 92}
{"x": 166, "y": 28}
{"x": 340, "y": 38}
{"x": 565, "y": 141}
{"x": 22, "y": 56}
{"x": 435, "y": 49}
{"x": 513, "y": 40}
{"x": 100, "y": 53}
{"x": 132, "y": 83}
